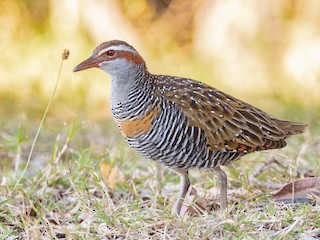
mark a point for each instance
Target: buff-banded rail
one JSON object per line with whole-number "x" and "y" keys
{"x": 183, "y": 123}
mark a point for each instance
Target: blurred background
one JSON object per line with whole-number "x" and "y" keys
{"x": 264, "y": 52}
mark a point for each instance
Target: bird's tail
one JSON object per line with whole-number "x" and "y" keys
{"x": 291, "y": 128}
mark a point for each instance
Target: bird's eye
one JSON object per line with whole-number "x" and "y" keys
{"x": 110, "y": 53}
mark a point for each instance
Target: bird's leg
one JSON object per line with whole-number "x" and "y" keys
{"x": 184, "y": 186}
{"x": 223, "y": 184}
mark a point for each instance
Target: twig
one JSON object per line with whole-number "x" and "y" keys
{"x": 269, "y": 185}
{"x": 266, "y": 165}
{"x": 261, "y": 170}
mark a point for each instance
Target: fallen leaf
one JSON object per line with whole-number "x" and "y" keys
{"x": 299, "y": 189}
{"x": 196, "y": 205}
{"x": 109, "y": 174}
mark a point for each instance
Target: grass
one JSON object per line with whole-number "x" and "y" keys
{"x": 83, "y": 182}
{"x": 65, "y": 195}
{"x": 80, "y": 180}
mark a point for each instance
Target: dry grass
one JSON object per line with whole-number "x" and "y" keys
{"x": 65, "y": 195}
{"x": 83, "y": 181}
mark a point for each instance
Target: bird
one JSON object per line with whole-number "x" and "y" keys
{"x": 183, "y": 123}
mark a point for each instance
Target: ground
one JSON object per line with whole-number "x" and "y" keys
{"x": 84, "y": 182}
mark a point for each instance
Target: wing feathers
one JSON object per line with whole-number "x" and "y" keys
{"x": 228, "y": 123}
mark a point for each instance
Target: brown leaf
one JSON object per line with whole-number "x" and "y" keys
{"x": 302, "y": 188}
{"x": 197, "y": 206}
{"x": 109, "y": 174}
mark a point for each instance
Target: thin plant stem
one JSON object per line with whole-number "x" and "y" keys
{"x": 65, "y": 56}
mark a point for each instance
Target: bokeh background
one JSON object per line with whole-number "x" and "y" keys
{"x": 79, "y": 180}
{"x": 264, "y": 52}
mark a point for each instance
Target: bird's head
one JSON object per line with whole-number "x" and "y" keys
{"x": 113, "y": 57}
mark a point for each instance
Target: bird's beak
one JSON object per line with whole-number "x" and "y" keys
{"x": 89, "y": 63}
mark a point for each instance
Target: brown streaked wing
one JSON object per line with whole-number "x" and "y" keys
{"x": 228, "y": 123}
